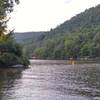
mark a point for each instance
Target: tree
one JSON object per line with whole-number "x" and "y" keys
{"x": 6, "y": 7}
{"x": 10, "y": 52}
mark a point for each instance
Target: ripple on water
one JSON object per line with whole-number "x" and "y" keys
{"x": 51, "y": 81}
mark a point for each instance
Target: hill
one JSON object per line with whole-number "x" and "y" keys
{"x": 77, "y": 37}
{"x": 21, "y": 37}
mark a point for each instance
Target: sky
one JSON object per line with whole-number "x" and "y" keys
{"x": 42, "y": 15}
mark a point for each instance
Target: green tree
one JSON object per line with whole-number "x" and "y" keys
{"x": 10, "y": 52}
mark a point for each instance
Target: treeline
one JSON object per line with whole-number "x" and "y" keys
{"x": 77, "y": 37}
{"x": 11, "y": 52}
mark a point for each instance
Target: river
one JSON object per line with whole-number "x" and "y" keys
{"x": 51, "y": 80}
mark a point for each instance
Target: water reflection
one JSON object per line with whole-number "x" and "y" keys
{"x": 51, "y": 80}
{"x": 88, "y": 78}
{"x": 7, "y": 81}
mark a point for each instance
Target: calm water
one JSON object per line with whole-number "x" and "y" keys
{"x": 51, "y": 80}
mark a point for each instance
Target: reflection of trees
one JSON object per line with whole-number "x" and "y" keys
{"x": 7, "y": 80}
{"x": 88, "y": 80}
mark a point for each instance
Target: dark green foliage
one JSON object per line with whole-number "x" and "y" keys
{"x": 10, "y": 59}
{"x": 10, "y": 52}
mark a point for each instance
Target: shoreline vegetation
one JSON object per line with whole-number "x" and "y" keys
{"x": 11, "y": 53}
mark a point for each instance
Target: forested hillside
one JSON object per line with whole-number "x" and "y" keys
{"x": 22, "y": 37}
{"x": 77, "y": 37}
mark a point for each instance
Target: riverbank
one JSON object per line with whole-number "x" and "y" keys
{"x": 66, "y": 62}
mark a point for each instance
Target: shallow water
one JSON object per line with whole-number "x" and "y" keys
{"x": 51, "y": 80}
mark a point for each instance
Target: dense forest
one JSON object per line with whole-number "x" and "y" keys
{"x": 10, "y": 52}
{"x": 78, "y": 37}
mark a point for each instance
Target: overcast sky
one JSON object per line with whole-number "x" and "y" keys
{"x": 42, "y": 15}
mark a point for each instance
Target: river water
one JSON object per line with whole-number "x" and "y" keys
{"x": 51, "y": 80}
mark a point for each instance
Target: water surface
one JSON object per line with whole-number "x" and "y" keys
{"x": 51, "y": 80}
